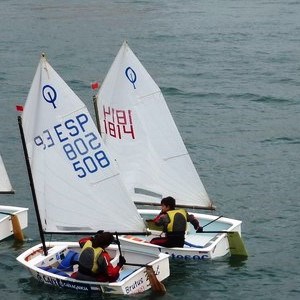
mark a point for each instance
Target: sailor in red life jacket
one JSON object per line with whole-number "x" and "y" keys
{"x": 94, "y": 261}
{"x": 174, "y": 222}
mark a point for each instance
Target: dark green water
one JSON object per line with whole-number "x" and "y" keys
{"x": 230, "y": 72}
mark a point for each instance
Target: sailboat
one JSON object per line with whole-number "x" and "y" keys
{"x": 13, "y": 219}
{"x": 76, "y": 189}
{"x": 141, "y": 135}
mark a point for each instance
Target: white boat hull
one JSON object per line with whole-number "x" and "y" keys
{"x": 6, "y": 228}
{"x": 198, "y": 247}
{"x": 136, "y": 282}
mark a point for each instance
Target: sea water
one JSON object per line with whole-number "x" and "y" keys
{"x": 230, "y": 73}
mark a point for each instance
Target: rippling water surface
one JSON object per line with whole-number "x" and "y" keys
{"x": 230, "y": 72}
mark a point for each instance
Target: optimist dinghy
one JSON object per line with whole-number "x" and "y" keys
{"x": 77, "y": 190}
{"x": 141, "y": 135}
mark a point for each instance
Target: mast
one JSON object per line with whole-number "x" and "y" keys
{"x": 32, "y": 186}
{"x": 97, "y": 114}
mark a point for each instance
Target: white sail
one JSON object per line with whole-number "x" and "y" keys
{"x": 5, "y": 185}
{"x": 139, "y": 131}
{"x": 77, "y": 186}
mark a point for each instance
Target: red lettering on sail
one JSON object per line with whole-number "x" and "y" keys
{"x": 118, "y": 122}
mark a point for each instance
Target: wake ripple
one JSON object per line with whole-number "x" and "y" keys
{"x": 171, "y": 91}
{"x": 282, "y": 140}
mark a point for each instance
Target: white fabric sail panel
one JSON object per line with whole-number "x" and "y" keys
{"x": 5, "y": 185}
{"x": 77, "y": 186}
{"x": 140, "y": 133}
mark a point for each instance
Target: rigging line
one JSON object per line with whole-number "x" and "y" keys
{"x": 213, "y": 221}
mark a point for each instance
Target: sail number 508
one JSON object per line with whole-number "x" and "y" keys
{"x": 91, "y": 164}
{"x": 86, "y": 162}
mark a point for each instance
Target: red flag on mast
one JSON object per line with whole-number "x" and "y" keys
{"x": 95, "y": 85}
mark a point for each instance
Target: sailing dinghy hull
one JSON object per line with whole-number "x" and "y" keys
{"x": 6, "y": 226}
{"x": 198, "y": 246}
{"x": 132, "y": 280}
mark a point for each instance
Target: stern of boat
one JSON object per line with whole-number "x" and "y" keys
{"x": 6, "y": 227}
